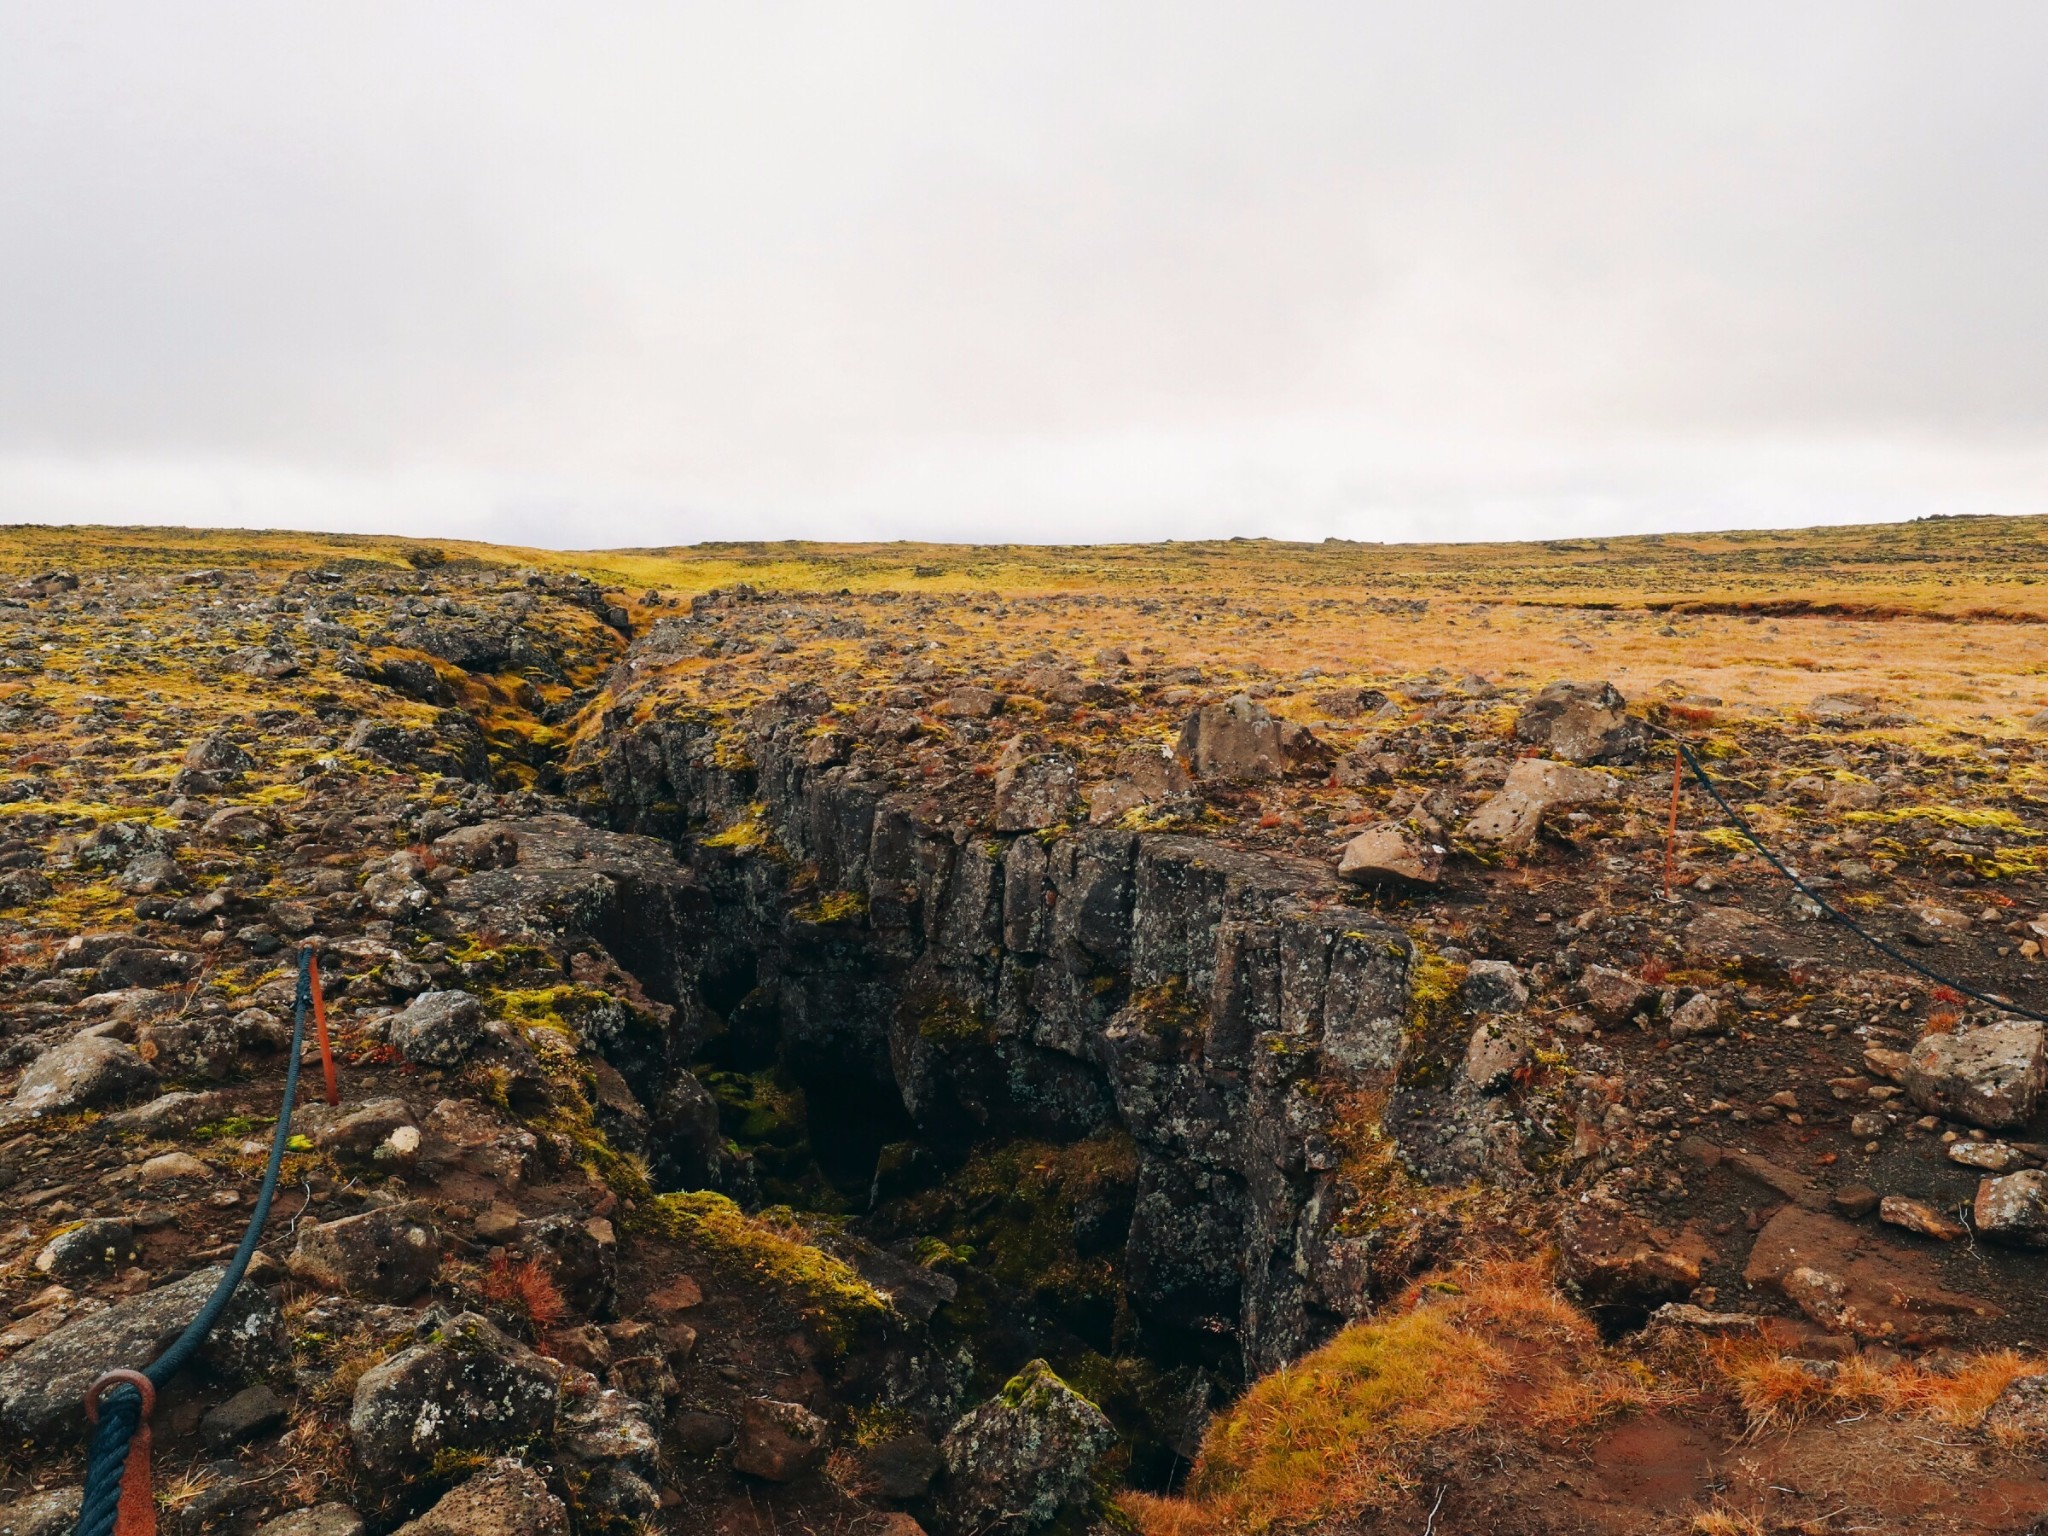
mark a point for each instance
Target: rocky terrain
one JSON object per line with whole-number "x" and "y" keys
{"x": 1012, "y": 1059}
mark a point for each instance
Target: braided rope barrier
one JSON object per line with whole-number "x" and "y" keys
{"x": 119, "y": 1402}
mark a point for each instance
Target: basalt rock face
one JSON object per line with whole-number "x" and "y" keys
{"x": 1215, "y": 1004}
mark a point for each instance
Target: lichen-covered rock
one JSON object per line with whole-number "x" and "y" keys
{"x": 41, "y": 1514}
{"x": 1034, "y": 793}
{"x": 1582, "y": 723}
{"x": 437, "y": 1029}
{"x": 50, "y": 1513}
{"x": 85, "y": 1071}
{"x": 1990, "y": 1076}
{"x": 452, "y": 746}
{"x": 90, "y": 1248}
{"x": 2013, "y": 1208}
{"x": 217, "y": 752}
{"x": 777, "y": 1441}
{"x": 507, "y": 1498}
{"x": 2020, "y": 1411}
{"x": 370, "y": 1139}
{"x": 1493, "y": 986}
{"x": 1239, "y": 740}
{"x": 1493, "y": 1056}
{"x": 145, "y": 965}
{"x": 388, "y": 1253}
{"x": 466, "y": 1387}
{"x": 238, "y": 824}
{"x": 1698, "y": 1015}
{"x": 1024, "y": 1457}
{"x": 315, "y": 1520}
{"x": 1614, "y": 996}
{"x": 608, "y": 1436}
{"x": 43, "y": 1387}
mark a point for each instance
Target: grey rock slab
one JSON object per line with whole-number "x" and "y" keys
{"x": 1991, "y": 1076}
{"x": 507, "y": 1498}
{"x": 438, "y": 1029}
{"x": 42, "y": 1389}
{"x": 79, "y": 1074}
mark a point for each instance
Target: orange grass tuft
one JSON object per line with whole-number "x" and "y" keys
{"x": 1775, "y": 1390}
{"x": 527, "y": 1287}
{"x": 1338, "y": 1432}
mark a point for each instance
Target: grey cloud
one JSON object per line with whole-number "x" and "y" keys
{"x": 622, "y": 273}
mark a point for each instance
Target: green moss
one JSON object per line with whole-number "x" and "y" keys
{"x": 1436, "y": 1030}
{"x": 946, "y": 1020}
{"x": 1045, "y": 1219}
{"x": 1169, "y": 1014}
{"x": 835, "y": 1300}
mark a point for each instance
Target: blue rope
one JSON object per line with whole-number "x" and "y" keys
{"x": 120, "y": 1409}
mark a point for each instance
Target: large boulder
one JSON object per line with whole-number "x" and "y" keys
{"x": 1035, "y": 792}
{"x": 465, "y": 1387}
{"x": 79, "y": 1074}
{"x": 1582, "y": 723}
{"x": 217, "y": 752}
{"x": 1990, "y": 1076}
{"x": 388, "y": 1253}
{"x": 1028, "y": 1455}
{"x": 1240, "y": 740}
{"x": 778, "y": 1441}
{"x": 1731, "y": 936}
{"x": 145, "y": 965}
{"x": 1390, "y": 854}
{"x": 1533, "y": 789}
{"x": 2014, "y": 1208}
{"x": 507, "y": 1498}
{"x": 453, "y": 746}
{"x": 437, "y": 1029}
{"x": 42, "y": 1389}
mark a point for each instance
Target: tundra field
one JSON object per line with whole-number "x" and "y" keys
{"x": 1182, "y": 1038}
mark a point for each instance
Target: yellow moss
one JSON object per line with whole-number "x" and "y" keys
{"x": 750, "y": 831}
{"x": 1987, "y": 817}
{"x": 833, "y": 907}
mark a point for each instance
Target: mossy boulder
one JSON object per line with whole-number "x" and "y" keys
{"x": 1025, "y": 1457}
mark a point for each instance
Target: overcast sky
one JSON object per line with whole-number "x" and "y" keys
{"x": 602, "y": 274}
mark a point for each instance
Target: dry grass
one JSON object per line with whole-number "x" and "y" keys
{"x": 1776, "y": 1391}
{"x": 1339, "y": 1433}
{"x": 1489, "y": 1355}
{"x": 525, "y": 1288}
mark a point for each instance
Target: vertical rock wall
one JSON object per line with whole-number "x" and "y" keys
{"x": 1223, "y": 1007}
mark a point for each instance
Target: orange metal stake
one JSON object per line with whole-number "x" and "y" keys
{"x": 1671, "y": 834}
{"x": 320, "y": 1032}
